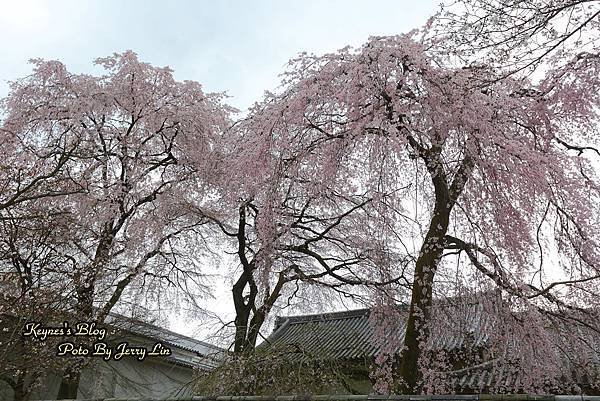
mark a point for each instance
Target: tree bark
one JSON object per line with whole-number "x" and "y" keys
{"x": 408, "y": 373}
{"x": 261, "y": 313}
{"x": 242, "y": 310}
{"x": 417, "y": 330}
{"x": 69, "y": 385}
{"x": 21, "y": 394}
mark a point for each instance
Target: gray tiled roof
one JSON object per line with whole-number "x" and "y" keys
{"x": 195, "y": 352}
{"x": 159, "y": 333}
{"x": 336, "y": 335}
{"x": 351, "y": 334}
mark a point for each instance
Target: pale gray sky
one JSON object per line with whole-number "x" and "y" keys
{"x": 234, "y": 46}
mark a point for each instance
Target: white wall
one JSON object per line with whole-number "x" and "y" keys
{"x": 127, "y": 378}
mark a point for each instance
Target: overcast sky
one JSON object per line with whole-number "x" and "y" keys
{"x": 235, "y": 46}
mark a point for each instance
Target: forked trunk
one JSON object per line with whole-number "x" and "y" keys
{"x": 408, "y": 373}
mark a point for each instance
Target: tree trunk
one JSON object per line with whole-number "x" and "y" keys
{"x": 243, "y": 307}
{"x": 69, "y": 385}
{"x": 255, "y": 324}
{"x": 417, "y": 330}
{"x": 70, "y": 380}
{"x": 19, "y": 388}
{"x": 19, "y": 394}
{"x": 408, "y": 373}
